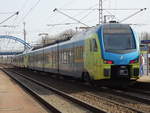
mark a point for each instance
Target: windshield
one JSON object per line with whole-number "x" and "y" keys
{"x": 118, "y": 38}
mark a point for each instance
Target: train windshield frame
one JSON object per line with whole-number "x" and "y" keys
{"x": 118, "y": 38}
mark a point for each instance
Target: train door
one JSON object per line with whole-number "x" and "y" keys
{"x": 25, "y": 60}
{"x": 71, "y": 59}
{"x": 54, "y": 60}
{"x": 57, "y": 59}
{"x": 43, "y": 59}
{"x": 92, "y": 58}
{"x": 77, "y": 60}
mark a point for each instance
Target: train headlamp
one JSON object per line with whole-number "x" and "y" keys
{"x": 134, "y": 61}
{"x": 108, "y": 62}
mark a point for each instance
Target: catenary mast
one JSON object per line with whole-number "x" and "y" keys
{"x": 100, "y": 11}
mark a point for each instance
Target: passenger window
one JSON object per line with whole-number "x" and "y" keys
{"x": 90, "y": 45}
{"x": 64, "y": 57}
{"x": 94, "y": 45}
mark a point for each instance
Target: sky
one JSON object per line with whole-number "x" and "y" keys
{"x": 38, "y": 14}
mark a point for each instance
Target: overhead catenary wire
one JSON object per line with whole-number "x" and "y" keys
{"x": 101, "y": 9}
{"x": 61, "y": 24}
{"x": 24, "y": 5}
{"x": 7, "y": 12}
{"x": 12, "y": 26}
{"x": 132, "y": 15}
{"x": 30, "y": 10}
{"x": 87, "y": 13}
{"x": 66, "y": 23}
{"x": 139, "y": 24}
{"x": 56, "y": 10}
{"x": 71, "y": 2}
{"x": 52, "y": 14}
{"x": 9, "y": 17}
{"x": 14, "y": 23}
{"x": 85, "y": 16}
{"x": 21, "y": 9}
{"x": 68, "y": 3}
{"x": 9, "y": 26}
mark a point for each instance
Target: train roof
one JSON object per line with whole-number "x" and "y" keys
{"x": 83, "y": 34}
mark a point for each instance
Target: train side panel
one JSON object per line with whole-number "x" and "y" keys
{"x": 50, "y": 59}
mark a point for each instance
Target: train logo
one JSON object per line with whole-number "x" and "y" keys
{"x": 121, "y": 57}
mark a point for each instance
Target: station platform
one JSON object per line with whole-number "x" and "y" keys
{"x": 14, "y": 99}
{"x": 144, "y": 78}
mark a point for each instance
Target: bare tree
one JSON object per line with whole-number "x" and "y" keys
{"x": 51, "y": 39}
{"x": 66, "y": 35}
{"x": 145, "y": 36}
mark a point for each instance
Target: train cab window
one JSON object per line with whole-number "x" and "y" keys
{"x": 93, "y": 45}
{"x": 81, "y": 55}
{"x": 64, "y": 57}
{"x": 90, "y": 45}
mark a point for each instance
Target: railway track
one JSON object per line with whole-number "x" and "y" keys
{"x": 134, "y": 95}
{"x": 139, "y": 91}
{"x": 85, "y": 106}
{"x": 111, "y": 102}
{"x": 141, "y": 86}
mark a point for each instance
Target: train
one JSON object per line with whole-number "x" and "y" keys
{"x": 105, "y": 52}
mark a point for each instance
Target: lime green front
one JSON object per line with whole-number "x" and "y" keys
{"x": 134, "y": 66}
{"x": 93, "y": 62}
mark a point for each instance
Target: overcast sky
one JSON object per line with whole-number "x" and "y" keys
{"x": 38, "y": 13}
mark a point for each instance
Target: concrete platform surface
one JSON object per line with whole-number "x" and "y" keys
{"x": 14, "y": 99}
{"x": 144, "y": 78}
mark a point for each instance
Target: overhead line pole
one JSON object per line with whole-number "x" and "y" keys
{"x": 24, "y": 33}
{"x": 100, "y": 11}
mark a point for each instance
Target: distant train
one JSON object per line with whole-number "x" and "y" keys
{"x": 108, "y": 51}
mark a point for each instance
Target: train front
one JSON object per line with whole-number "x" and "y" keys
{"x": 120, "y": 51}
